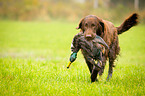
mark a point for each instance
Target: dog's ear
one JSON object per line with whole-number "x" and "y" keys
{"x": 80, "y": 24}
{"x": 100, "y": 29}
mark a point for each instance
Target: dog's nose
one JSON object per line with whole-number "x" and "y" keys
{"x": 88, "y": 36}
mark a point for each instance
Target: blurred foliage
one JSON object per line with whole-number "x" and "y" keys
{"x": 70, "y": 10}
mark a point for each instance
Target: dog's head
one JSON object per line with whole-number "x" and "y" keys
{"x": 91, "y": 25}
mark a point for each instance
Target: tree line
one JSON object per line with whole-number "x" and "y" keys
{"x": 66, "y": 9}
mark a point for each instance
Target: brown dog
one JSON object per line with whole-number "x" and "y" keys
{"x": 92, "y": 25}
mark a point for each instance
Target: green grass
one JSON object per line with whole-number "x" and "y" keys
{"x": 34, "y": 56}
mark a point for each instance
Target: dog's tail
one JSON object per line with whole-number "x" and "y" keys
{"x": 128, "y": 23}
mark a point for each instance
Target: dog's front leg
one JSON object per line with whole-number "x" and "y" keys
{"x": 94, "y": 68}
{"x": 94, "y": 74}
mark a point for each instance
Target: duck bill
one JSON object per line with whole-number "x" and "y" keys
{"x": 68, "y": 64}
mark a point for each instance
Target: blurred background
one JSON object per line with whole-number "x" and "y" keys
{"x": 70, "y": 10}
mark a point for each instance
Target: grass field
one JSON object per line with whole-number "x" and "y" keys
{"x": 34, "y": 56}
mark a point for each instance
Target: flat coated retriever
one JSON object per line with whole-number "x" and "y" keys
{"x": 92, "y": 25}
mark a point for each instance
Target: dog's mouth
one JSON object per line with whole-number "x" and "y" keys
{"x": 88, "y": 39}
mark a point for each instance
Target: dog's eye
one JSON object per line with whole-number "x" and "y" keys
{"x": 86, "y": 25}
{"x": 93, "y": 25}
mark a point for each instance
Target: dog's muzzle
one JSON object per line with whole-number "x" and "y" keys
{"x": 89, "y": 36}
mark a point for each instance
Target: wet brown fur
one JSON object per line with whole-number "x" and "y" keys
{"x": 109, "y": 33}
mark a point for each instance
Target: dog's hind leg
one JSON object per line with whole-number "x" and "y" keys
{"x": 110, "y": 71}
{"x": 113, "y": 52}
{"x": 112, "y": 57}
